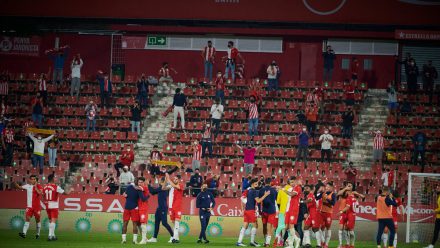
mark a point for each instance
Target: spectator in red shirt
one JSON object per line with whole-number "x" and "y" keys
{"x": 354, "y": 69}
{"x": 348, "y": 93}
{"x": 197, "y": 155}
{"x": 231, "y": 59}
{"x": 126, "y": 158}
{"x": 42, "y": 87}
{"x": 8, "y": 140}
{"x": 37, "y": 110}
{"x": 220, "y": 87}
{"x": 213, "y": 184}
{"x": 351, "y": 173}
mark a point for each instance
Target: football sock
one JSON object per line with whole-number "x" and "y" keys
{"x": 329, "y": 235}
{"x": 385, "y": 239}
{"x": 352, "y": 237}
{"x": 240, "y": 237}
{"x": 318, "y": 237}
{"x": 306, "y": 240}
{"x": 124, "y": 237}
{"x": 135, "y": 238}
{"x": 176, "y": 230}
{"x": 340, "y": 237}
{"x": 268, "y": 238}
{"x": 38, "y": 228}
{"x": 25, "y": 227}
{"x": 395, "y": 240}
{"x": 144, "y": 231}
{"x": 52, "y": 229}
{"x": 253, "y": 233}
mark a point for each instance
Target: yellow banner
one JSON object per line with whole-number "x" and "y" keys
{"x": 42, "y": 131}
{"x": 164, "y": 162}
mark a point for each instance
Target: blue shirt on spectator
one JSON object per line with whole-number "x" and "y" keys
{"x": 179, "y": 100}
{"x": 303, "y": 139}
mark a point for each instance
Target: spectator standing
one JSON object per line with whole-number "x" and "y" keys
{"x": 387, "y": 177}
{"x": 155, "y": 155}
{"x": 272, "y": 77}
{"x": 392, "y": 98}
{"x": 312, "y": 97}
{"x": 329, "y": 58}
{"x": 105, "y": 87}
{"x": 303, "y": 148}
{"x": 419, "y": 141}
{"x": 354, "y": 69}
{"x": 165, "y": 76}
{"x": 8, "y": 141}
{"x": 301, "y": 117}
{"x": 326, "y": 146}
{"x": 405, "y": 107}
{"x": 220, "y": 87}
{"x": 126, "y": 158}
{"x": 252, "y": 109}
{"x": 231, "y": 60}
{"x": 136, "y": 113}
{"x": 350, "y": 173}
{"x": 4, "y": 87}
{"x": 58, "y": 56}
{"x": 205, "y": 203}
{"x": 347, "y": 123}
{"x": 217, "y": 111}
{"x": 208, "y": 55}
{"x": 91, "y": 110}
{"x": 39, "y": 144}
{"x": 52, "y": 150}
{"x": 29, "y": 143}
{"x": 112, "y": 187}
{"x": 76, "y": 66}
{"x": 42, "y": 87}
{"x": 249, "y": 157}
{"x": 197, "y": 155}
{"x": 179, "y": 103}
{"x": 37, "y": 110}
{"x": 213, "y": 184}
{"x": 378, "y": 145}
{"x": 412, "y": 72}
{"x": 312, "y": 118}
{"x": 349, "y": 93}
{"x": 195, "y": 182}
{"x": 429, "y": 76}
{"x": 207, "y": 138}
{"x": 246, "y": 183}
{"x": 143, "y": 89}
{"x": 125, "y": 178}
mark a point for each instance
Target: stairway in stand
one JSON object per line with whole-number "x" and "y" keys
{"x": 372, "y": 117}
{"x": 155, "y": 127}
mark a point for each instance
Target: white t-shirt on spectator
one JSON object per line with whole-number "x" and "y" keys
{"x": 217, "y": 111}
{"x": 385, "y": 178}
{"x": 326, "y": 140}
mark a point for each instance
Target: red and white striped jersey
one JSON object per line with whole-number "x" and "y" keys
{"x": 164, "y": 72}
{"x": 219, "y": 83}
{"x": 207, "y": 134}
{"x": 4, "y": 88}
{"x": 42, "y": 86}
{"x": 33, "y": 199}
{"x": 9, "y": 135}
{"x": 51, "y": 195}
{"x": 378, "y": 141}
{"x": 209, "y": 52}
{"x": 155, "y": 155}
{"x": 253, "y": 111}
{"x": 175, "y": 197}
{"x": 197, "y": 153}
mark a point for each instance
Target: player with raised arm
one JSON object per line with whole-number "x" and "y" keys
{"x": 250, "y": 214}
{"x": 143, "y": 210}
{"x": 162, "y": 209}
{"x": 175, "y": 204}
{"x": 33, "y": 204}
{"x": 328, "y": 201}
{"x": 293, "y": 210}
{"x": 313, "y": 220}
{"x": 342, "y": 199}
{"x": 51, "y": 193}
{"x": 131, "y": 212}
{"x": 349, "y": 211}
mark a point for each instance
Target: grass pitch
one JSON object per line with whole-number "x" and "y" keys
{"x": 10, "y": 239}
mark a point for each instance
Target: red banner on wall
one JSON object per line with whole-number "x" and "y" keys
{"x": 227, "y": 207}
{"x": 24, "y": 46}
{"x": 400, "y": 34}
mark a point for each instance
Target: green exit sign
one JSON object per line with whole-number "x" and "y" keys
{"x": 157, "y": 40}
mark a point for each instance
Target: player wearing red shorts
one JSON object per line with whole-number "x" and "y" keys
{"x": 250, "y": 213}
{"x": 33, "y": 204}
{"x": 131, "y": 212}
{"x": 293, "y": 210}
{"x": 175, "y": 204}
{"x": 313, "y": 220}
{"x": 51, "y": 193}
{"x": 143, "y": 212}
{"x": 342, "y": 198}
{"x": 351, "y": 204}
{"x": 395, "y": 219}
{"x": 268, "y": 211}
{"x": 328, "y": 201}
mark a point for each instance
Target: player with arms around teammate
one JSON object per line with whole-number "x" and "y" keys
{"x": 328, "y": 201}
{"x": 313, "y": 220}
{"x": 51, "y": 193}
{"x": 349, "y": 213}
{"x": 384, "y": 215}
{"x": 175, "y": 204}
{"x": 250, "y": 214}
{"x": 131, "y": 211}
{"x": 269, "y": 209}
{"x": 33, "y": 204}
{"x": 204, "y": 202}
{"x": 162, "y": 209}
{"x": 143, "y": 210}
{"x": 292, "y": 212}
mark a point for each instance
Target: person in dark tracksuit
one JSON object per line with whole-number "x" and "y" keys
{"x": 205, "y": 202}
{"x": 162, "y": 209}
{"x": 301, "y": 218}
